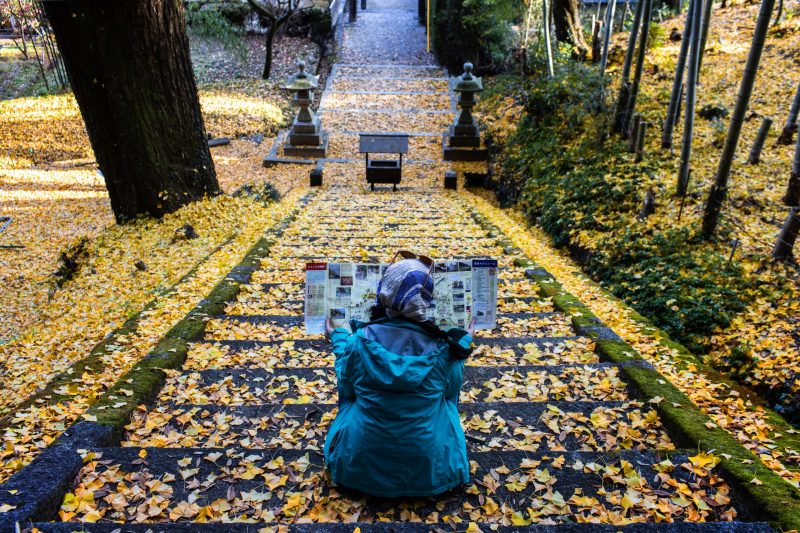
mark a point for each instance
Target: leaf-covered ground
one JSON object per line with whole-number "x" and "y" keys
{"x": 742, "y": 314}
{"x": 49, "y": 186}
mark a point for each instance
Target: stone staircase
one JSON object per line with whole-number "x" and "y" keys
{"x": 556, "y": 438}
{"x": 554, "y": 435}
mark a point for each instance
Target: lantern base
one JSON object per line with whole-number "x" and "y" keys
{"x": 457, "y": 148}
{"x": 295, "y": 147}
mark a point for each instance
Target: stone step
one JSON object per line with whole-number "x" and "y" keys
{"x": 446, "y": 238}
{"x": 514, "y": 343}
{"x": 554, "y": 426}
{"x": 317, "y": 353}
{"x": 550, "y": 325}
{"x": 409, "y": 527}
{"x": 291, "y": 485}
{"x": 298, "y": 321}
{"x": 254, "y": 386}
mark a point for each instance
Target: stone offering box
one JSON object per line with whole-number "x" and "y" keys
{"x": 384, "y": 171}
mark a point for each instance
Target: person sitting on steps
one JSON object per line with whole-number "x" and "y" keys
{"x": 397, "y": 432}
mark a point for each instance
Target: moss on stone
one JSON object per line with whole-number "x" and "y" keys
{"x": 775, "y": 500}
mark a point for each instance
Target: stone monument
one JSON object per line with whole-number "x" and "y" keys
{"x": 306, "y": 138}
{"x": 462, "y": 140}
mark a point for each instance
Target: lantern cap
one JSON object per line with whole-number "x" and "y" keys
{"x": 467, "y": 83}
{"x": 301, "y": 81}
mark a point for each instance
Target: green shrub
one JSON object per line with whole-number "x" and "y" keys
{"x": 478, "y": 31}
{"x": 312, "y": 23}
{"x": 586, "y": 194}
{"x": 656, "y": 36}
{"x": 671, "y": 276}
{"x": 209, "y": 22}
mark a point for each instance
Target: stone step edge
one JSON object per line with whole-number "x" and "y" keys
{"x": 773, "y": 500}
{"x": 36, "y": 491}
{"x": 298, "y": 320}
{"x": 495, "y": 341}
{"x": 408, "y": 527}
{"x": 470, "y": 371}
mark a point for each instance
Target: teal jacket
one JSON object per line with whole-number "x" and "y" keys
{"x": 397, "y": 432}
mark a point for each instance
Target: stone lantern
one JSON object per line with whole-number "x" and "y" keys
{"x": 462, "y": 140}
{"x": 306, "y": 137}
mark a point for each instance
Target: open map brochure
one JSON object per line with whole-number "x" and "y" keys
{"x": 463, "y": 290}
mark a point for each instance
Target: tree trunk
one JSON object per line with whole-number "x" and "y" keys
{"x": 720, "y": 188}
{"x": 787, "y": 237}
{"x": 677, "y": 81}
{"x": 273, "y": 29}
{"x": 547, "y": 42}
{"x": 597, "y": 31}
{"x": 567, "y": 20}
{"x": 624, "y": 85}
{"x": 791, "y": 121}
{"x": 792, "y": 196}
{"x": 691, "y": 101}
{"x": 707, "y": 5}
{"x": 607, "y": 36}
{"x": 129, "y": 66}
{"x": 780, "y": 13}
{"x": 755, "y": 152}
{"x": 637, "y": 73}
{"x": 641, "y": 137}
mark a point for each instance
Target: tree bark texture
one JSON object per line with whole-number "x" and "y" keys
{"x": 609, "y": 30}
{"x": 707, "y": 5}
{"x": 792, "y": 196}
{"x": 719, "y": 189}
{"x": 691, "y": 100}
{"x": 129, "y": 67}
{"x": 270, "y": 40}
{"x": 784, "y": 246}
{"x": 677, "y": 81}
{"x": 637, "y": 73}
{"x": 567, "y": 21}
{"x": 791, "y": 121}
{"x": 625, "y": 84}
{"x": 755, "y": 152}
{"x": 547, "y": 42}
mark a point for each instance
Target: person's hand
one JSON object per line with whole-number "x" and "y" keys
{"x": 329, "y": 327}
{"x": 471, "y": 328}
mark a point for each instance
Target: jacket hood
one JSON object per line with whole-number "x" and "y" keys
{"x": 402, "y": 371}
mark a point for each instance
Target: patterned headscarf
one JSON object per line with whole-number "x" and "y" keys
{"x": 406, "y": 289}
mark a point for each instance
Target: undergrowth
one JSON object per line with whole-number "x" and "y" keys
{"x": 568, "y": 175}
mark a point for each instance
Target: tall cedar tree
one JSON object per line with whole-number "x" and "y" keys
{"x": 691, "y": 100}
{"x": 129, "y": 67}
{"x": 567, "y": 20}
{"x": 677, "y": 81}
{"x": 719, "y": 189}
{"x": 625, "y": 82}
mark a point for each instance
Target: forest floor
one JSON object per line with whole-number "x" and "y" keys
{"x": 50, "y": 187}
{"x": 759, "y": 341}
